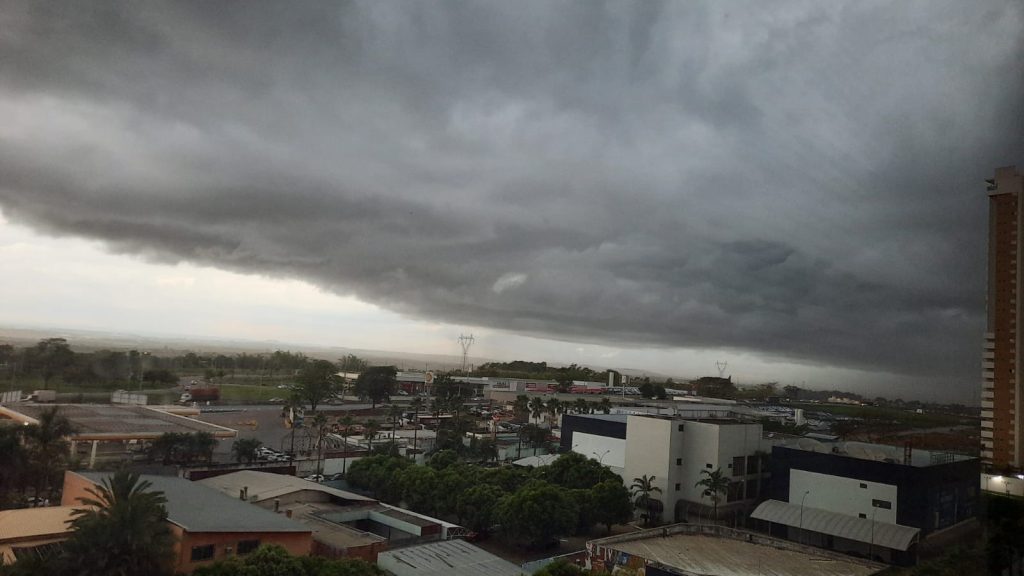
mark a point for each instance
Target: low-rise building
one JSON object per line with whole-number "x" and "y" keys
{"x": 33, "y": 531}
{"x": 344, "y": 524}
{"x": 450, "y": 558}
{"x": 676, "y": 450}
{"x": 867, "y": 499}
{"x": 206, "y": 524}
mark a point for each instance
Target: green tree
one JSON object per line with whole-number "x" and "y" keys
{"x": 50, "y": 357}
{"x": 376, "y": 383}
{"x": 318, "y": 382}
{"x": 122, "y": 530}
{"x": 419, "y": 489}
{"x": 573, "y": 470}
{"x": 586, "y": 515}
{"x": 537, "y": 514}
{"x": 346, "y": 430}
{"x": 245, "y": 449}
{"x": 521, "y": 408}
{"x": 641, "y": 490}
{"x": 715, "y": 485}
{"x": 380, "y": 475}
{"x": 475, "y": 507}
{"x": 443, "y": 459}
{"x": 273, "y": 560}
{"x": 612, "y": 504}
{"x": 560, "y": 568}
{"x": 370, "y": 430}
{"x": 352, "y": 363}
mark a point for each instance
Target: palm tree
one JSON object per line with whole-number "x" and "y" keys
{"x": 521, "y": 407}
{"x": 320, "y": 425}
{"x": 417, "y": 405}
{"x": 715, "y": 484}
{"x": 200, "y": 445}
{"x": 346, "y": 430}
{"x": 394, "y": 414}
{"x": 554, "y": 407}
{"x": 370, "y": 432}
{"x": 121, "y": 530}
{"x": 641, "y": 490}
{"x": 48, "y": 448}
{"x": 580, "y": 406}
{"x": 536, "y": 406}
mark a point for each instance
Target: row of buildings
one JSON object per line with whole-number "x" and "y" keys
{"x": 865, "y": 499}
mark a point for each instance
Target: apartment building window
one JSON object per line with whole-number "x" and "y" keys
{"x": 882, "y": 504}
{"x": 678, "y": 486}
{"x": 739, "y": 467}
{"x": 200, "y": 553}
{"x": 679, "y": 461}
{"x": 862, "y": 515}
{"x": 680, "y": 428}
{"x": 247, "y": 546}
{"x": 863, "y": 485}
{"x": 708, "y": 466}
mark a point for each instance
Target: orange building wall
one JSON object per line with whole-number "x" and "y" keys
{"x": 75, "y": 487}
{"x": 296, "y": 543}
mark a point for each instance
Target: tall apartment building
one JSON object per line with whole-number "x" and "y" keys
{"x": 1002, "y": 424}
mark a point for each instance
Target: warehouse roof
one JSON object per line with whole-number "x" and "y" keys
{"x": 34, "y": 522}
{"x": 713, "y": 555}
{"x": 445, "y": 558}
{"x": 864, "y": 530}
{"x": 267, "y": 485}
{"x": 197, "y": 508}
{"x": 115, "y": 422}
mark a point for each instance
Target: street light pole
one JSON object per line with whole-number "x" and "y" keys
{"x": 802, "y": 515}
{"x": 871, "y": 546}
{"x": 600, "y": 459}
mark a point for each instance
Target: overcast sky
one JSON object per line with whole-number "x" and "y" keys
{"x": 795, "y": 187}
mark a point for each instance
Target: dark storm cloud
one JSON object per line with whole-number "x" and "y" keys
{"x": 801, "y": 182}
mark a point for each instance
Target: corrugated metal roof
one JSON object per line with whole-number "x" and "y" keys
{"x": 34, "y": 522}
{"x": 864, "y": 530}
{"x": 445, "y": 558}
{"x": 198, "y": 508}
{"x": 266, "y": 485}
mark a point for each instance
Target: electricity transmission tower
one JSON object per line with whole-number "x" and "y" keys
{"x": 465, "y": 342}
{"x": 721, "y": 368}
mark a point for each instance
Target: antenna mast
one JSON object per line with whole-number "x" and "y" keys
{"x": 465, "y": 342}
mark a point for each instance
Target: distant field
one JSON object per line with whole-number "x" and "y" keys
{"x": 245, "y": 393}
{"x": 880, "y": 414}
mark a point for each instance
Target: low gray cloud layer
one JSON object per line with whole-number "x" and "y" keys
{"x": 802, "y": 181}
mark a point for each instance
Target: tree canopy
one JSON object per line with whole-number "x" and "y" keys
{"x": 318, "y": 382}
{"x": 536, "y": 514}
{"x": 272, "y": 560}
{"x": 376, "y": 384}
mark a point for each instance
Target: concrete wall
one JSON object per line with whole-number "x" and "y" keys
{"x": 843, "y": 495}
{"x": 610, "y": 451}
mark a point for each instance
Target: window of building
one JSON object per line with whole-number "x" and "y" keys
{"x": 753, "y": 463}
{"x": 680, "y": 427}
{"x": 735, "y": 492}
{"x": 247, "y": 546}
{"x": 882, "y": 504}
{"x": 200, "y": 553}
{"x": 863, "y": 485}
{"x": 862, "y": 515}
{"x": 739, "y": 467}
{"x": 678, "y": 486}
{"x": 708, "y": 466}
{"x": 679, "y": 461}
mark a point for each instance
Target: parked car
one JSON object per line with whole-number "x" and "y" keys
{"x": 315, "y": 478}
